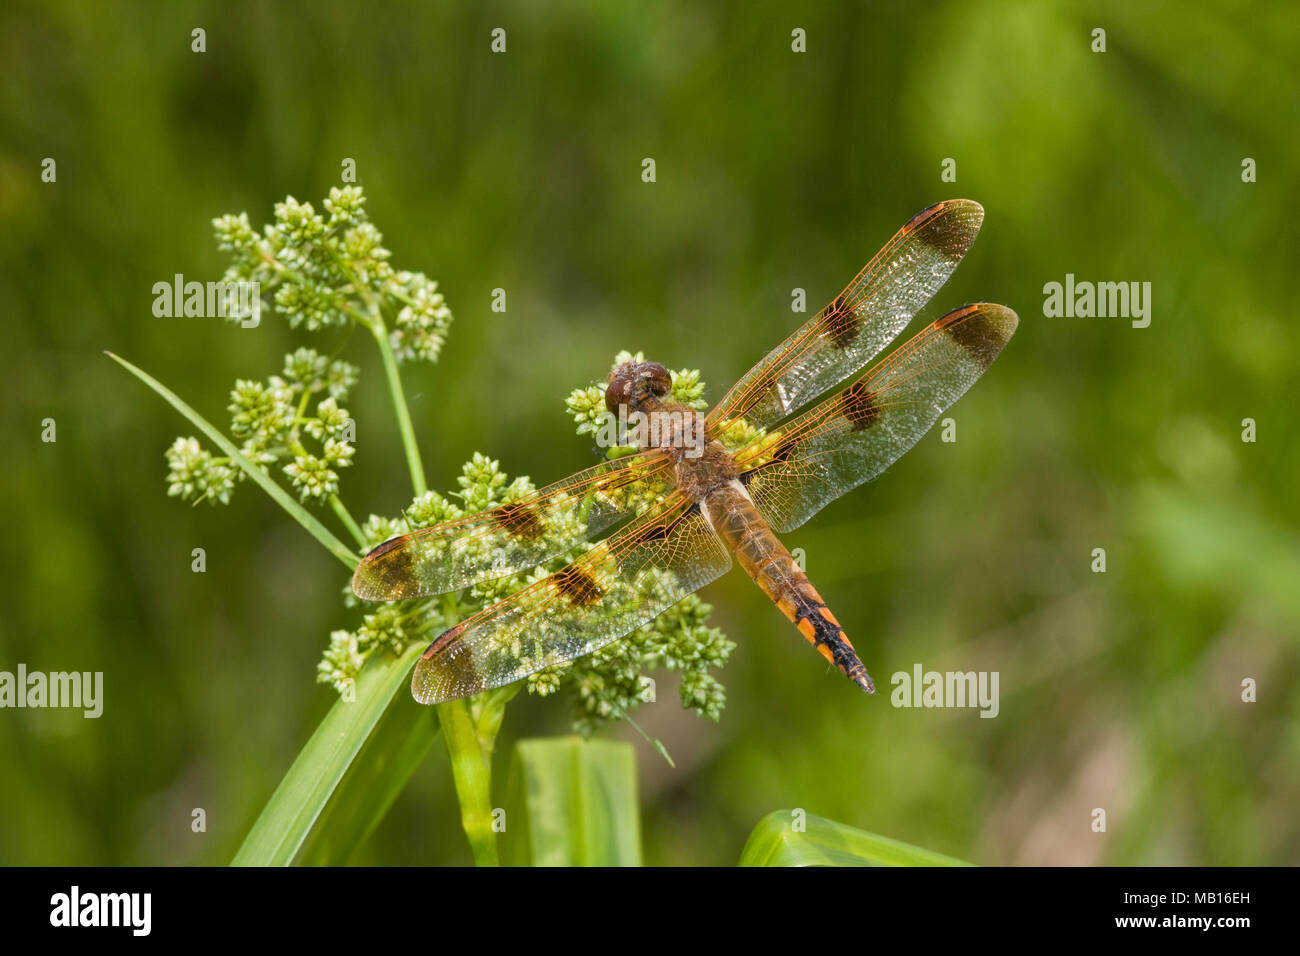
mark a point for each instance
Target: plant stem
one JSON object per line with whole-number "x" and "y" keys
{"x": 375, "y": 322}
{"x": 471, "y": 756}
{"x": 468, "y": 745}
{"x": 399, "y": 403}
{"x": 471, "y": 769}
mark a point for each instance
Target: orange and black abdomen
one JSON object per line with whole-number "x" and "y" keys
{"x": 765, "y": 559}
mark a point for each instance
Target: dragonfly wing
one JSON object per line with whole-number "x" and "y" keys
{"x": 863, "y": 319}
{"x": 619, "y": 585}
{"x": 516, "y": 536}
{"x": 856, "y": 434}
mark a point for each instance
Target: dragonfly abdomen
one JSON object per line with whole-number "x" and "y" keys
{"x": 766, "y": 560}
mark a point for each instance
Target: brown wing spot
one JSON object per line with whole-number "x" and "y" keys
{"x": 859, "y": 406}
{"x": 392, "y": 544}
{"x": 519, "y": 520}
{"x": 385, "y": 573}
{"x": 952, "y": 235}
{"x": 842, "y": 323}
{"x": 921, "y": 218}
{"x": 978, "y": 337}
{"x": 578, "y": 587}
{"x": 440, "y": 643}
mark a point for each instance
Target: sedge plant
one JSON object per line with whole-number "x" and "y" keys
{"x": 291, "y": 434}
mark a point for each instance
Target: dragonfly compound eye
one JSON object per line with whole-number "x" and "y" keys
{"x": 619, "y": 390}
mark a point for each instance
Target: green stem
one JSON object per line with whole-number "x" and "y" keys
{"x": 399, "y": 404}
{"x": 470, "y": 754}
{"x": 469, "y": 741}
{"x": 348, "y": 521}
{"x": 375, "y": 322}
{"x": 471, "y": 769}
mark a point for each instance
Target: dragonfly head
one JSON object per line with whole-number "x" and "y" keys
{"x": 633, "y": 383}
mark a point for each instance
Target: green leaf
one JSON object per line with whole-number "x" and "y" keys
{"x": 823, "y": 842}
{"x": 298, "y": 801}
{"x": 378, "y": 774}
{"x": 259, "y": 475}
{"x": 573, "y": 802}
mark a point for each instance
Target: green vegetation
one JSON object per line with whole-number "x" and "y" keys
{"x": 340, "y": 268}
{"x": 521, "y": 172}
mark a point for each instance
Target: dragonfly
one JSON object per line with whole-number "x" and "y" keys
{"x": 704, "y": 489}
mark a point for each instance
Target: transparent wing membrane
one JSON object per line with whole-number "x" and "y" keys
{"x": 862, "y": 320}
{"x": 859, "y": 432}
{"x": 616, "y": 587}
{"x": 516, "y": 536}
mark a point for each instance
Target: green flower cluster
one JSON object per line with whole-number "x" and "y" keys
{"x": 271, "y": 419}
{"x": 386, "y": 629}
{"x": 195, "y": 475}
{"x": 332, "y": 269}
{"x": 614, "y": 680}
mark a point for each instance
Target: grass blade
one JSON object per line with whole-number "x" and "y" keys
{"x": 573, "y": 803}
{"x": 259, "y": 475}
{"x": 297, "y": 803}
{"x": 378, "y": 774}
{"x": 823, "y": 842}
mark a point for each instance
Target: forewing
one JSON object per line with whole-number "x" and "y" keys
{"x": 859, "y": 432}
{"x": 516, "y": 536}
{"x": 862, "y": 320}
{"x": 616, "y": 587}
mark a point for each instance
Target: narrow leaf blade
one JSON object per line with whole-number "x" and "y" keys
{"x": 298, "y": 801}
{"x": 822, "y": 842}
{"x": 396, "y": 747}
{"x": 573, "y": 803}
{"x": 258, "y": 475}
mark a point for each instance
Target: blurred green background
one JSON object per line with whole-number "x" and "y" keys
{"x": 775, "y": 170}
